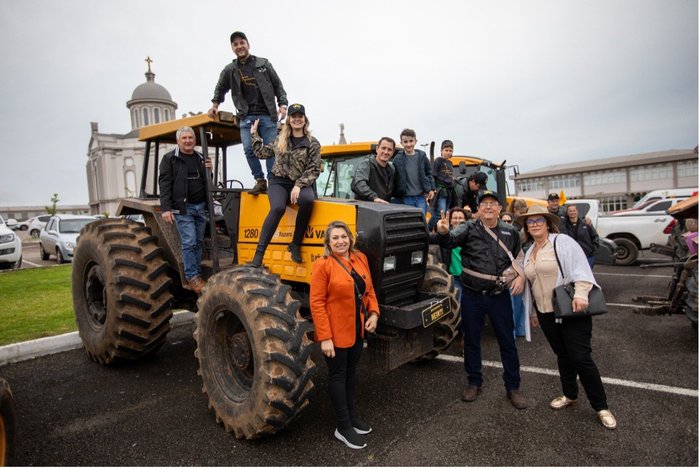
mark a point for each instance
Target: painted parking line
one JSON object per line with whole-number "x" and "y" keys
{"x": 30, "y": 263}
{"x": 595, "y": 274}
{"x": 615, "y": 381}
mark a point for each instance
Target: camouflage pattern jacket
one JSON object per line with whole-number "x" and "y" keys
{"x": 301, "y": 164}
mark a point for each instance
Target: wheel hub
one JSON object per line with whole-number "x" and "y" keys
{"x": 95, "y": 295}
{"x": 241, "y": 352}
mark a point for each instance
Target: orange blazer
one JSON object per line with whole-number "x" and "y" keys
{"x": 333, "y": 298}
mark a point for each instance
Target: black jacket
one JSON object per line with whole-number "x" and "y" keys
{"x": 267, "y": 80}
{"x": 585, "y": 235}
{"x": 480, "y": 252}
{"x": 367, "y": 184}
{"x": 172, "y": 181}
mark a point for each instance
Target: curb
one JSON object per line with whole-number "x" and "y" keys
{"x": 30, "y": 349}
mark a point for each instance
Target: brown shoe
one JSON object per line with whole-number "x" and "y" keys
{"x": 260, "y": 187}
{"x": 518, "y": 400}
{"x": 197, "y": 284}
{"x": 470, "y": 394}
{"x": 607, "y": 419}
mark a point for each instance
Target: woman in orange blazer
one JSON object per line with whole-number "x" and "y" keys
{"x": 340, "y": 321}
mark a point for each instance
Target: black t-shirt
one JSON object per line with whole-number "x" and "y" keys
{"x": 196, "y": 188}
{"x": 249, "y": 88}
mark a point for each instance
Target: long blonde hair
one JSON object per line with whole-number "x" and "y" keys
{"x": 286, "y": 134}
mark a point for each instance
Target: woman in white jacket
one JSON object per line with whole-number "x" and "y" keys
{"x": 570, "y": 339}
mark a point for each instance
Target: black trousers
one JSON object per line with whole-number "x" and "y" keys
{"x": 278, "y": 192}
{"x": 342, "y": 371}
{"x": 571, "y": 342}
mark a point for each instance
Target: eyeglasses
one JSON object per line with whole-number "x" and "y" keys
{"x": 489, "y": 204}
{"x": 536, "y": 221}
{"x": 507, "y": 220}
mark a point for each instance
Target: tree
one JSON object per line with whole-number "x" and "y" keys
{"x": 52, "y": 209}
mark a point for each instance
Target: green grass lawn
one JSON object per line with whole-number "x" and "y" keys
{"x": 35, "y": 303}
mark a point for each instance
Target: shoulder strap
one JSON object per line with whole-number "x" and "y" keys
{"x": 505, "y": 248}
{"x": 357, "y": 290}
{"x": 556, "y": 256}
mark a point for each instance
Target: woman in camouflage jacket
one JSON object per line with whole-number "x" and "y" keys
{"x": 297, "y": 165}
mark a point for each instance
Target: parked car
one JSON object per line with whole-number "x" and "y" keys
{"x": 60, "y": 235}
{"x": 655, "y": 196}
{"x": 10, "y": 248}
{"x": 11, "y": 223}
{"x": 34, "y": 225}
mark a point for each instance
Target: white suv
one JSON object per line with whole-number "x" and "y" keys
{"x": 10, "y": 248}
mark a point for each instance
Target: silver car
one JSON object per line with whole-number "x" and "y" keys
{"x": 60, "y": 234}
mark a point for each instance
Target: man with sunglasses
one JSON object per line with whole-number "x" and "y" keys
{"x": 485, "y": 290}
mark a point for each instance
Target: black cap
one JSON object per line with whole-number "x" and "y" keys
{"x": 446, "y": 143}
{"x": 238, "y": 34}
{"x": 479, "y": 177}
{"x": 484, "y": 194}
{"x": 296, "y": 108}
{"x": 553, "y": 196}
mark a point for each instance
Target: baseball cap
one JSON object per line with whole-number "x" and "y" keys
{"x": 553, "y": 196}
{"x": 296, "y": 108}
{"x": 484, "y": 194}
{"x": 479, "y": 177}
{"x": 240, "y": 35}
{"x": 446, "y": 143}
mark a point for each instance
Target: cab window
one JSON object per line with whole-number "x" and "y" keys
{"x": 336, "y": 178}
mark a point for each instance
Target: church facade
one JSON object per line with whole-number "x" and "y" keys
{"x": 115, "y": 161}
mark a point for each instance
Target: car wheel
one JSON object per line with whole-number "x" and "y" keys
{"x": 18, "y": 264}
{"x": 627, "y": 251}
{"x": 44, "y": 254}
{"x": 59, "y": 257}
{"x": 23, "y": 227}
{"x": 34, "y": 233}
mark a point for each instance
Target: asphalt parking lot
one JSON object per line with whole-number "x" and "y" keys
{"x": 73, "y": 412}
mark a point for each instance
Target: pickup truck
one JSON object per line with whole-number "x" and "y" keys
{"x": 631, "y": 231}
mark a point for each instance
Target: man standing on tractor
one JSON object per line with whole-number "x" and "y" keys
{"x": 444, "y": 182}
{"x": 414, "y": 178}
{"x": 254, "y": 86}
{"x": 374, "y": 175}
{"x": 475, "y": 184}
{"x": 183, "y": 200}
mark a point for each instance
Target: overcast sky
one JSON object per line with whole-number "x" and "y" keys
{"x": 532, "y": 82}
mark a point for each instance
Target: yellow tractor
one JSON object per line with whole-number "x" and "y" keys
{"x": 253, "y": 327}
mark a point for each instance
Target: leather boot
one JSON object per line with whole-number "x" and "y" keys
{"x": 260, "y": 187}
{"x": 295, "y": 251}
{"x": 257, "y": 259}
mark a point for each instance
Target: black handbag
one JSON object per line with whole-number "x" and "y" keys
{"x": 563, "y": 295}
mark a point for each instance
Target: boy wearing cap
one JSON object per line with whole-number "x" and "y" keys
{"x": 414, "y": 178}
{"x": 254, "y": 87}
{"x": 475, "y": 184}
{"x": 443, "y": 174}
{"x": 486, "y": 279}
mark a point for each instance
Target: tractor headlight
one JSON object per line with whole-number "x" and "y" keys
{"x": 389, "y": 263}
{"x": 416, "y": 257}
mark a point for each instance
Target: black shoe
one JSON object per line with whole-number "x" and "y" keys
{"x": 296, "y": 253}
{"x": 260, "y": 187}
{"x": 350, "y": 437}
{"x": 257, "y": 260}
{"x": 361, "y": 428}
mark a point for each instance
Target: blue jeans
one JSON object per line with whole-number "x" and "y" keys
{"x": 475, "y": 307}
{"x": 413, "y": 201}
{"x": 267, "y": 128}
{"x": 518, "y": 314}
{"x": 191, "y": 227}
{"x": 440, "y": 206}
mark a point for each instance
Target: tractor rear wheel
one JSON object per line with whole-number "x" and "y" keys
{"x": 121, "y": 291}
{"x": 8, "y": 415}
{"x": 438, "y": 281}
{"x": 253, "y": 352}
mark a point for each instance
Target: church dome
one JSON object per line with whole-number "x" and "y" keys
{"x": 150, "y": 102}
{"x": 151, "y": 91}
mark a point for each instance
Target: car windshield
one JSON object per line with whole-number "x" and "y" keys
{"x": 74, "y": 226}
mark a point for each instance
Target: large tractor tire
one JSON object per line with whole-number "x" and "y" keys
{"x": 121, "y": 291}
{"x": 627, "y": 251}
{"x": 8, "y": 415}
{"x": 253, "y": 352}
{"x": 437, "y": 280}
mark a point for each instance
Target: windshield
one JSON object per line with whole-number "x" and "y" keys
{"x": 74, "y": 226}
{"x": 336, "y": 178}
